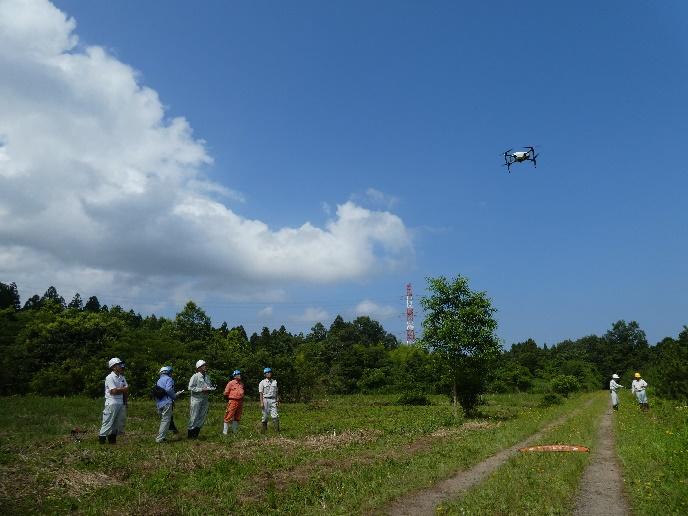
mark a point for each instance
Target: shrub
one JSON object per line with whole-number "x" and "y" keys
{"x": 411, "y": 398}
{"x": 564, "y": 384}
{"x": 551, "y": 399}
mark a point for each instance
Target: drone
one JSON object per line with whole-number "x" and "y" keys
{"x": 519, "y": 157}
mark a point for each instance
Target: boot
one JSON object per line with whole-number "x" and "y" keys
{"x": 190, "y": 433}
{"x": 235, "y": 426}
{"x": 112, "y": 439}
{"x": 616, "y": 407}
{"x": 225, "y": 428}
{"x": 264, "y": 427}
{"x": 275, "y": 423}
{"x": 101, "y": 439}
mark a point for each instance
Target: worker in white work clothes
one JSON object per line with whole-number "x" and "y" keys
{"x": 613, "y": 387}
{"x": 114, "y": 414}
{"x": 199, "y": 388}
{"x": 638, "y": 388}
{"x": 269, "y": 399}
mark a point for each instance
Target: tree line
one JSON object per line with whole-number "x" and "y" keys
{"x": 52, "y": 347}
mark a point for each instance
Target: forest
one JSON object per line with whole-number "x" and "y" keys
{"x": 56, "y": 348}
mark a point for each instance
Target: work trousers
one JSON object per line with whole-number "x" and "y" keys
{"x": 269, "y": 409}
{"x": 113, "y": 419}
{"x": 198, "y": 411}
{"x": 165, "y": 419}
{"x": 234, "y": 409}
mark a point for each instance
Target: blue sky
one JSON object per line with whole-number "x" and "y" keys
{"x": 398, "y": 110}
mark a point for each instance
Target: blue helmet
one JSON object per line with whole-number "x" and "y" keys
{"x": 235, "y": 372}
{"x": 267, "y": 370}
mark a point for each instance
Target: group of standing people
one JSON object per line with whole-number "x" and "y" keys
{"x": 638, "y": 389}
{"x": 200, "y": 386}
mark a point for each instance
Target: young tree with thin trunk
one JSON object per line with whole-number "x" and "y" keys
{"x": 459, "y": 327}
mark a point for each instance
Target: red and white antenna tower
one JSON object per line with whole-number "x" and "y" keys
{"x": 410, "y": 331}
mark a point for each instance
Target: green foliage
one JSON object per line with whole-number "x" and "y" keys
{"x": 460, "y": 329}
{"x": 9, "y": 296}
{"x": 551, "y": 398}
{"x": 564, "y": 384}
{"x": 49, "y": 348}
{"x": 413, "y": 398}
{"x": 670, "y": 372}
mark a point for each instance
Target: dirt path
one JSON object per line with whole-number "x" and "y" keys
{"x": 601, "y": 488}
{"x": 424, "y": 502}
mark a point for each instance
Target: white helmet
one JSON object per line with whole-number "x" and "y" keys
{"x": 615, "y": 376}
{"x": 113, "y": 362}
{"x": 200, "y": 363}
{"x": 166, "y": 369}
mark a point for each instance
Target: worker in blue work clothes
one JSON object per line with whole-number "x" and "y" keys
{"x": 165, "y": 404}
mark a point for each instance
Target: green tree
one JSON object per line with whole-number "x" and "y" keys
{"x": 192, "y": 324}
{"x": 9, "y": 296}
{"x": 76, "y": 302}
{"x": 459, "y": 327}
{"x": 92, "y": 305}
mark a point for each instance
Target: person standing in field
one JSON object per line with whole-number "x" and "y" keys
{"x": 234, "y": 393}
{"x": 114, "y": 413}
{"x": 269, "y": 398}
{"x": 638, "y": 388}
{"x": 199, "y": 388}
{"x": 613, "y": 387}
{"x": 165, "y": 404}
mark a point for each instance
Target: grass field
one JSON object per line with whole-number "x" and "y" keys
{"x": 537, "y": 483}
{"x": 653, "y": 448}
{"x": 338, "y": 455}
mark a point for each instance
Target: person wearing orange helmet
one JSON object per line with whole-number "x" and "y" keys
{"x": 638, "y": 388}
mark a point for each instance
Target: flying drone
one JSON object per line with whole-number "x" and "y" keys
{"x": 519, "y": 157}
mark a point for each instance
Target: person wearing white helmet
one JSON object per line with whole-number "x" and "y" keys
{"x": 638, "y": 387}
{"x": 114, "y": 413}
{"x": 199, "y": 388}
{"x": 234, "y": 394}
{"x": 269, "y": 399}
{"x": 613, "y": 387}
{"x": 165, "y": 401}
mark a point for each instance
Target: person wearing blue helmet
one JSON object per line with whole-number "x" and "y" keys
{"x": 269, "y": 399}
{"x": 234, "y": 394}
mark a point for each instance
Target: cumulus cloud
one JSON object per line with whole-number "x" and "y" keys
{"x": 374, "y": 310}
{"x": 99, "y": 185}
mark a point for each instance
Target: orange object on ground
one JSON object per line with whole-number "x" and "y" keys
{"x": 234, "y": 391}
{"x": 556, "y": 448}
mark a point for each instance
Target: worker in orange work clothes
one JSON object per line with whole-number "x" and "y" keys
{"x": 234, "y": 393}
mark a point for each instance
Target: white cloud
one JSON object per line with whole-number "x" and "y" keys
{"x": 265, "y": 312}
{"x": 98, "y": 187}
{"x": 376, "y": 311}
{"x": 312, "y": 315}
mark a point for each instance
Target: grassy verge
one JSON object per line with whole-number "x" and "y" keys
{"x": 537, "y": 483}
{"x": 653, "y": 449}
{"x": 341, "y": 455}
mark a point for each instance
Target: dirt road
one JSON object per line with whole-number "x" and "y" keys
{"x": 424, "y": 502}
{"x": 601, "y": 488}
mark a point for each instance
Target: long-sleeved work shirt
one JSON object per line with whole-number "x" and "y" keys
{"x": 166, "y": 382}
{"x": 197, "y": 383}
